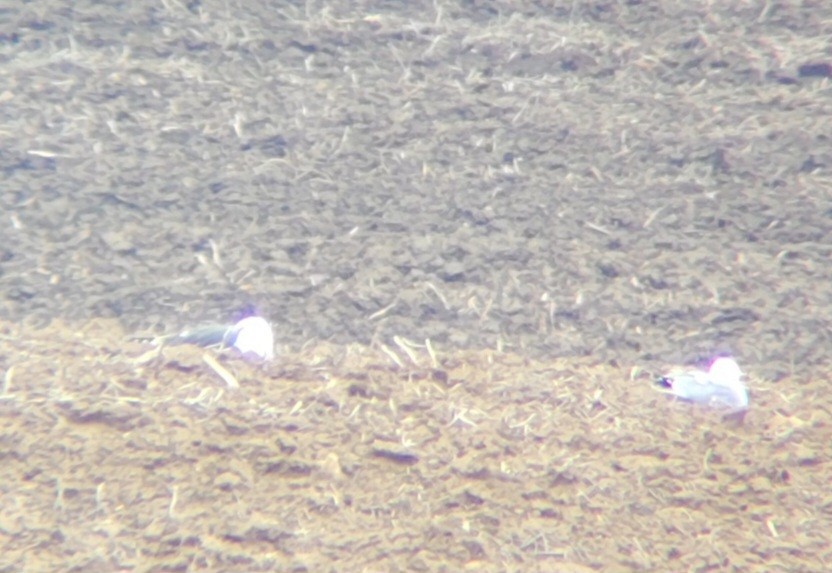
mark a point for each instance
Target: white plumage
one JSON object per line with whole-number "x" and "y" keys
{"x": 721, "y": 385}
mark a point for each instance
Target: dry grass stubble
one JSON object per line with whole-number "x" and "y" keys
{"x": 336, "y": 458}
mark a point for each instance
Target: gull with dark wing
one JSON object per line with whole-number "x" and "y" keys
{"x": 252, "y": 337}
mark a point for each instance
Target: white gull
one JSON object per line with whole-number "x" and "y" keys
{"x": 721, "y": 385}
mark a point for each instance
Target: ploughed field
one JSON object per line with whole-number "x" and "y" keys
{"x": 563, "y": 198}
{"x": 121, "y": 457}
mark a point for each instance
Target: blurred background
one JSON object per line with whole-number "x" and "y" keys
{"x": 639, "y": 182}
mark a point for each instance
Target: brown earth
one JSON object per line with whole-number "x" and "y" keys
{"x": 120, "y": 458}
{"x": 563, "y": 197}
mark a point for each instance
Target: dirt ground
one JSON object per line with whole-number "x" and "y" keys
{"x": 120, "y": 458}
{"x": 563, "y": 198}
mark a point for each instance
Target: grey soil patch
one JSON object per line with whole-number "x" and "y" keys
{"x": 635, "y": 182}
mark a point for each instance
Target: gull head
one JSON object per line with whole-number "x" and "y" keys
{"x": 253, "y": 337}
{"x": 725, "y": 372}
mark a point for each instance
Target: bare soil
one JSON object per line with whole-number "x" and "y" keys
{"x": 120, "y": 458}
{"x": 563, "y": 198}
